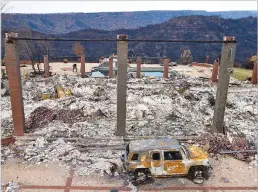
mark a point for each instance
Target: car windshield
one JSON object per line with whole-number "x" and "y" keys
{"x": 185, "y": 151}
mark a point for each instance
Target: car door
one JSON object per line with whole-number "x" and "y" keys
{"x": 173, "y": 163}
{"x": 156, "y": 163}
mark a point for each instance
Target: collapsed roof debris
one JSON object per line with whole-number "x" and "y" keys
{"x": 43, "y": 115}
{"x": 155, "y": 107}
{"x": 5, "y": 90}
{"x": 60, "y": 151}
{"x": 215, "y": 143}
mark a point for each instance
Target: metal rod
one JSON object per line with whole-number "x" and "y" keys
{"x": 241, "y": 151}
{"x": 114, "y": 40}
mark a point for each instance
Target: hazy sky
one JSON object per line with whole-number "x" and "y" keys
{"x": 114, "y": 6}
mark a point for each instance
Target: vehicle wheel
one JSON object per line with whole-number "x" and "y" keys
{"x": 142, "y": 177}
{"x": 198, "y": 174}
{"x": 198, "y": 177}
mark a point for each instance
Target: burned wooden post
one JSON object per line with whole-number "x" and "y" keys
{"x": 82, "y": 66}
{"x": 166, "y": 66}
{"x": 139, "y": 62}
{"x": 215, "y": 70}
{"x": 122, "y": 54}
{"x": 226, "y": 63}
{"x": 254, "y": 75}
{"x": 46, "y": 66}
{"x": 110, "y": 71}
{"x": 207, "y": 59}
{"x": 14, "y": 77}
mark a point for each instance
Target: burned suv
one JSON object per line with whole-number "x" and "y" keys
{"x": 164, "y": 157}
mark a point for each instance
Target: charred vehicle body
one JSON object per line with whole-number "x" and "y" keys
{"x": 164, "y": 157}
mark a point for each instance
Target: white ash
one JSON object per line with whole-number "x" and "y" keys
{"x": 6, "y": 127}
{"x": 98, "y": 166}
{"x": 6, "y": 152}
{"x": 254, "y": 162}
{"x": 154, "y": 107}
{"x": 62, "y": 152}
{"x": 131, "y": 186}
{"x": 42, "y": 151}
{"x": 12, "y": 187}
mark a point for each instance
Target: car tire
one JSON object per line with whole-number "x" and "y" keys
{"x": 141, "y": 176}
{"x": 197, "y": 174}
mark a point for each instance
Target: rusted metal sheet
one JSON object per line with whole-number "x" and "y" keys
{"x": 174, "y": 167}
{"x": 197, "y": 153}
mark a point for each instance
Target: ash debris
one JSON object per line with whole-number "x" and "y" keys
{"x": 6, "y": 125}
{"x": 155, "y": 107}
{"x": 43, "y": 115}
{"x": 5, "y": 90}
{"x": 63, "y": 152}
{"x": 12, "y": 187}
{"x": 216, "y": 143}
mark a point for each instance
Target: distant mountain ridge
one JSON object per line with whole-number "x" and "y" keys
{"x": 67, "y": 22}
{"x": 184, "y": 27}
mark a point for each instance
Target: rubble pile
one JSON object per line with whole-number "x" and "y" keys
{"x": 216, "y": 143}
{"x": 155, "y": 107}
{"x": 102, "y": 168}
{"x": 6, "y": 128}
{"x": 5, "y": 90}
{"x": 44, "y": 115}
{"x": 39, "y": 116}
{"x": 12, "y": 187}
{"x": 6, "y": 152}
{"x": 240, "y": 144}
{"x": 60, "y": 151}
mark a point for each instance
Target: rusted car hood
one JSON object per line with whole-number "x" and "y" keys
{"x": 197, "y": 152}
